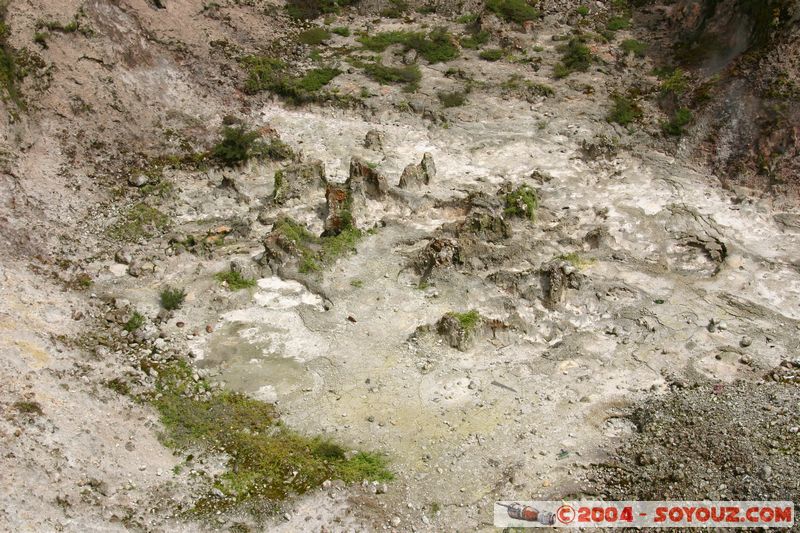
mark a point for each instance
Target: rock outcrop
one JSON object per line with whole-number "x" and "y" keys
{"x": 295, "y": 180}
{"x": 416, "y": 175}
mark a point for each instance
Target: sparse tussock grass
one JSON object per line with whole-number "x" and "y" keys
{"x": 172, "y": 298}
{"x": 235, "y": 280}
{"x": 518, "y": 11}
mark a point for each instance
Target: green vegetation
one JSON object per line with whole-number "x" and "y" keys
{"x": 267, "y": 462}
{"x": 575, "y": 259}
{"x": 408, "y": 75}
{"x": 314, "y": 36}
{"x": 319, "y": 252}
{"x": 492, "y": 54}
{"x": 344, "y": 31}
{"x": 357, "y": 283}
{"x": 638, "y": 48}
{"x": 475, "y": 40}
{"x": 677, "y": 124}
{"x": 172, "y": 298}
{"x": 525, "y": 88}
{"x": 518, "y": 11}
{"x": 237, "y": 146}
{"x": 618, "y": 23}
{"x": 118, "y": 386}
{"x": 624, "y": 110}
{"x": 468, "y": 320}
{"x": 10, "y": 73}
{"x": 40, "y": 38}
{"x": 134, "y": 322}
{"x": 582, "y": 10}
{"x": 139, "y": 221}
{"x": 468, "y": 18}
{"x": 311, "y": 9}
{"x": 438, "y": 46}
{"x": 673, "y": 83}
{"x": 522, "y": 202}
{"x": 28, "y": 407}
{"x": 452, "y": 99}
{"x": 576, "y": 56}
{"x": 395, "y": 10}
{"x": 269, "y": 74}
{"x": 235, "y": 280}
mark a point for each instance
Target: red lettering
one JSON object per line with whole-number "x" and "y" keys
{"x": 732, "y": 514}
{"x": 583, "y": 514}
{"x": 676, "y": 514}
{"x": 661, "y": 515}
{"x": 783, "y": 514}
{"x": 689, "y": 512}
{"x": 752, "y": 514}
{"x": 626, "y": 515}
{"x": 766, "y": 514}
{"x": 717, "y": 514}
{"x": 612, "y": 514}
{"x": 597, "y": 514}
{"x": 703, "y": 514}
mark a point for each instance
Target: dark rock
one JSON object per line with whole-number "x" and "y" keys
{"x": 338, "y": 210}
{"x": 374, "y": 140}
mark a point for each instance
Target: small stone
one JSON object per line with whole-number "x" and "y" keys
{"x": 209, "y": 328}
{"x": 382, "y": 488}
{"x": 765, "y": 472}
{"x": 180, "y": 324}
{"x": 395, "y": 521}
{"x": 745, "y": 342}
{"x": 370, "y": 418}
{"x": 137, "y": 180}
{"x": 326, "y": 484}
{"x": 123, "y": 256}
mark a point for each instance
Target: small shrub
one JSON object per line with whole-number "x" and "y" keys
{"x": 408, "y": 75}
{"x": 172, "y": 298}
{"x": 452, "y": 99}
{"x": 40, "y": 38}
{"x": 314, "y": 36}
{"x": 677, "y": 124}
{"x": 522, "y": 202}
{"x": 277, "y": 150}
{"x": 518, "y": 11}
{"x": 475, "y": 40}
{"x": 436, "y": 47}
{"x": 638, "y": 48}
{"x": 344, "y": 31}
{"x": 235, "y": 280}
{"x": 618, "y": 23}
{"x": 492, "y": 54}
{"x": 118, "y": 386}
{"x": 134, "y": 322}
{"x": 624, "y": 111}
{"x": 311, "y": 9}
{"x": 357, "y": 283}
{"x": 582, "y": 10}
{"x": 576, "y": 56}
{"x": 468, "y": 18}
{"x": 237, "y": 145}
{"x": 674, "y": 83}
{"x": 269, "y": 74}
{"x": 28, "y": 408}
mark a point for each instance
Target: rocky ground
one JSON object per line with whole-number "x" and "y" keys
{"x": 477, "y": 275}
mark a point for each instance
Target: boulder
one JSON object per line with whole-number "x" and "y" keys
{"x": 460, "y": 330}
{"x": 374, "y": 140}
{"x": 295, "y": 180}
{"x": 338, "y": 210}
{"x": 417, "y": 175}
{"x": 365, "y": 181}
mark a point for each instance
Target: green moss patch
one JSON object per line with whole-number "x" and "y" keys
{"x": 235, "y": 280}
{"x": 576, "y": 57}
{"x": 522, "y": 202}
{"x": 269, "y": 74}
{"x": 435, "y": 47}
{"x": 266, "y": 461}
{"x": 518, "y": 11}
{"x": 139, "y": 221}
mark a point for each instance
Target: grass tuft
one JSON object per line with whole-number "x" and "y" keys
{"x": 235, "y": 280}
{"x": 522, "y": 202}
{"x": 172, "y": 298}
{"x": 518, "y": 11}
